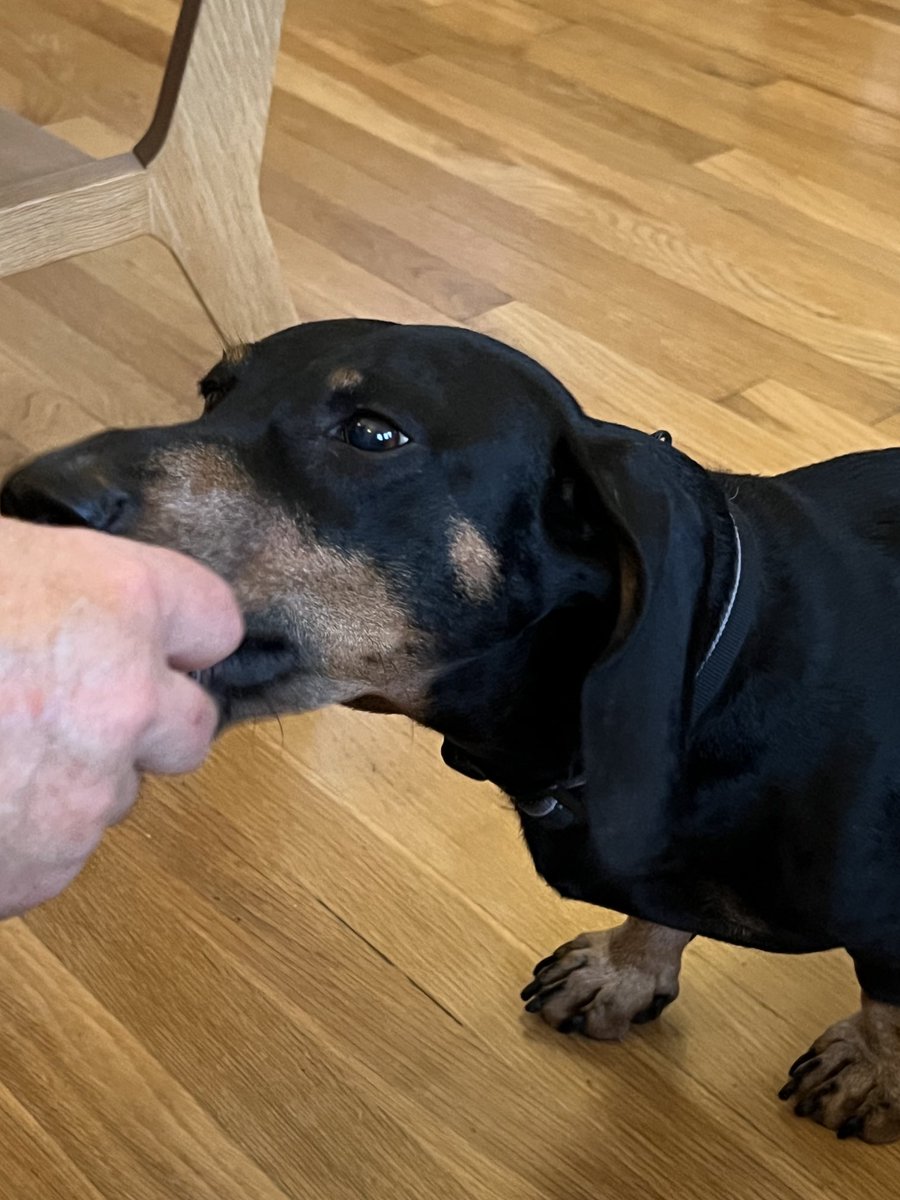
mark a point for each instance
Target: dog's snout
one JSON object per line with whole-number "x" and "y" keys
{"x": 51, "y": 494}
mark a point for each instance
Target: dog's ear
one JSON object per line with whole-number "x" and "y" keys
{"x": 217, "y": 383}
{"x": 648, "y": 505}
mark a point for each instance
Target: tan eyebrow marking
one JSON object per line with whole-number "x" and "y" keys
{"x": 344, "y": 379}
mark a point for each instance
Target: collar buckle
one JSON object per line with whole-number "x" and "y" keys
{"x": 567, "y": 796}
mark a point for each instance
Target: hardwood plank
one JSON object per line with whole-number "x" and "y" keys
{"x": 34, "y": 1167}
{"x": 310, "y": 1038}
{"x": 824, "y": 431}
{"x": 813, "y": 110}
{"x": 890, "y": 426}
{"x": 831, "y": 51}
{"x": 697, "y": 338}
{"x": 335, "y": 286}
{"x": 365, "y": 28}
{"x": 71, "y": 71}
{"x": 27, "y": 150}
{"x": 656, "y": 38}
{"x": 502, "y": 25}
{"x": 101, "y": 1080}
{"x": 145, "y": 27}
{"x": 386, "y": 885}
{"x": 113, "y": 321}
{"x": 781, "y": 220}
{"x": 726, "y": 258}
{"x": 614, "y": 388}
{"x": 41, "y": 416}
{"x": 109, "y": 389}
{"x": 594, "y": 112}
{"x": 824, "y": 205}
{"x": 446, "y": 289}
{"x": 891, "y": 26}
{"x": 744, "y": 118}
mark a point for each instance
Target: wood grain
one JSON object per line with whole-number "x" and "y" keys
{"x": 295, "y": 974}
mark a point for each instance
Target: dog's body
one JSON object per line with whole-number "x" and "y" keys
{"x": 784, "y": 833}
{"x": 686, "y": 680}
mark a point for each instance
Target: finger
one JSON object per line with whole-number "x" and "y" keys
{"x": 179, "y": 739}
{"x": 126, "y": 794}
{"x": 202, "y": 623}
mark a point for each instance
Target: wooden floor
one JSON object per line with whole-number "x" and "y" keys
{"x": 296, "y": 974}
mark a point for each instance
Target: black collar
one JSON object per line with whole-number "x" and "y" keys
{"x": 567, "y": 797}
{"x": 735, "y": 622}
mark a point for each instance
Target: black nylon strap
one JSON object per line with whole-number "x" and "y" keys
{"x": 733, "y": 633}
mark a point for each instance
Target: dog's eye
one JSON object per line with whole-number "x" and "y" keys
{"x": 368, "y": 431}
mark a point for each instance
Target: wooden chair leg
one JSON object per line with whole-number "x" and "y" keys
{"x": 203, "y": 152}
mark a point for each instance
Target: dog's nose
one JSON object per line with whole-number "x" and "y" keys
{"x": 52, "y": 493}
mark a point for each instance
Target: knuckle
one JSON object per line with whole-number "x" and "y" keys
{"x": 136, "y": 709}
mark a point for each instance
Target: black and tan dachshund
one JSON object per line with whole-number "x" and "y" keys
{"x": 688, "y": 682}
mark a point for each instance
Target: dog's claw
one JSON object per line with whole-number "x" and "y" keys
{"x": 803, "y": 1060}
{"x": 789, "y": 1089}
{"x": 544, "y": 964}
{"x": 538, "y": 997}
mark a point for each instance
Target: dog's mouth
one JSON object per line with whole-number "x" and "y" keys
{"x": 260, "y": 662}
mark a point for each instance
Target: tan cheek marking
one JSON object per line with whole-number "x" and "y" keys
{"x": 200, "y": 469}
{"x": 200, "y": 501}
{"x": 338, "y": 600}
{"x": 344, "y": 379}
{"x": 628, "y": 590}
{"x": 475, "y": 562}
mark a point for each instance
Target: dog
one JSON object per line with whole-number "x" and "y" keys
{"x": 686, "y": 681}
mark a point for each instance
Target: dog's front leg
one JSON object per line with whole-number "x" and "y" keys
{"x": 849, "y": 1080}
{"x": 601, "y": 984}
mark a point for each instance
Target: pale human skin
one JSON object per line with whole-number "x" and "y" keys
{"x": 97, "y": 635}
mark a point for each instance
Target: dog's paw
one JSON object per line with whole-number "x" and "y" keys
{"x": 601, "y": 984}
{"x": 849, "y": 1081}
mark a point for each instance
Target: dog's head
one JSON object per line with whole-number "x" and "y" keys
{"x": 389, "y": 502}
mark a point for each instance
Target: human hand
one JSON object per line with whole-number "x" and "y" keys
{"x": 97, "y": 635}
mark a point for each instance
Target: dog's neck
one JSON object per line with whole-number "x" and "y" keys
{"x": 513, "y": 715}
{"x": 522, "y": 730}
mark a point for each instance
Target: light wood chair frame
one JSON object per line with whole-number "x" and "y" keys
{"x": 192, "y": 181}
